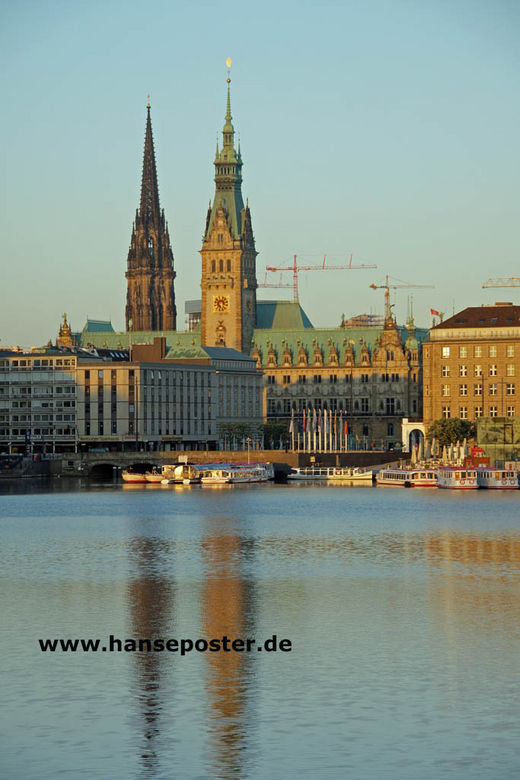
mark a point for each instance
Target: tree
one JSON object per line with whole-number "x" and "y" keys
{"x": 450, "y": 430}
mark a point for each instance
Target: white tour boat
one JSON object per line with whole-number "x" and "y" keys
{"x": 331, "y": 473}
{"x": 457, "y": 478}
{"x": 396, "y": 477}
{"x": 220, "y": 474}
{"x": 497, "y": 479}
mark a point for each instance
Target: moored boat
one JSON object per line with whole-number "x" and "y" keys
{"x": 154, "y": 476}
{"x": 407, "y": 477}
{"x": 332, "y": 473}
{"x": 457, "y": 478}
{"x": 496, "y": 479}
{"x": 133, "y": 476}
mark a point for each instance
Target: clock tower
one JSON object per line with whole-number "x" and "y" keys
{"x": 228, "y": 254}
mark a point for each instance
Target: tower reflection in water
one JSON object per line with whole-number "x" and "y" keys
{"x": 228, "y": 609}
{"x": 151, "y": 599}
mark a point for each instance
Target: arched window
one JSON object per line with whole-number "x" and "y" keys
{"x": 220, "y": 265}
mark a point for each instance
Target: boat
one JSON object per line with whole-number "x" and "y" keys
{"x": 407, "y": 477}
{"x": 215, "y": 476}
{"x": 154, "y": 476}
{"x": 133, "y": 476}
{"x": 331, "y": 473}
{"x": 496, "y": 479}
{"x": 457, "y": 478}
{"x": 219, "y": 474}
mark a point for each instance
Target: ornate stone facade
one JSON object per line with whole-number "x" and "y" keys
{"x": 371, "y": 376}
{"x": 228, "y": 254}
{"x": 150, "y": 299}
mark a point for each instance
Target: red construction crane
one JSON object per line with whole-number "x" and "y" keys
{"x": 280, "y": 283}
{"x": 295, "y": 268}
{"x": 386, "y": 287}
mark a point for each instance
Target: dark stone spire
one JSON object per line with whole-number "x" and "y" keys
{"x": 149, "y": 208}
{"x": 150, "y": 299}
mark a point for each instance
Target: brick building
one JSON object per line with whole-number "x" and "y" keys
{"x": 471, "y": 364}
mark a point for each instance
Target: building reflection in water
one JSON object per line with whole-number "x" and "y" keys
{"x": 150, "y": 602}
{"x": 228, "y": 609}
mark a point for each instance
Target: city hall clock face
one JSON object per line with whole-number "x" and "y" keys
{"x": 221, "y": 303}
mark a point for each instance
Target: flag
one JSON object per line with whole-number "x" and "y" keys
{"x": 304, "y": 421}
{"x": 335, "y": 421}
{"x": 291, "y": 426}
{"x": 434, "y": 311}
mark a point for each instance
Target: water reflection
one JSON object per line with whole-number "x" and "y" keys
{"x": 150, "y": 601}
{"x": 228, "y": 609}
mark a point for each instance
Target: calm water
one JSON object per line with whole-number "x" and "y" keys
{"x": 403, "y": 608}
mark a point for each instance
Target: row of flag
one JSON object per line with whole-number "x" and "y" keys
{"x": 314, "y": 420}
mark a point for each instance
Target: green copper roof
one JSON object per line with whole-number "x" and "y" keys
{"x": 97, "y": 326}
{"x": 281, "y": 315}
{"x": 120, "y": 340}
{"x": 186, "y": 344}
{"x": 324, "y": 338}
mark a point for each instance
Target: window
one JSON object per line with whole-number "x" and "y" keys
{"x": 286, "y": 379}
{"x": 364, "y": 378}
{"x": 390, "y": 429}
{"x": 510, "y": 411}
{"x": 317, "y": 379}
{"x": 445, "y": 390}
{"x": 302, "y": 380}
{"x": 510, "y": 369}
{"x": 477, "y": 351}
{"x": 446, "y": 412}
{"x": 493, "y": 411}
{"x": 390, "y": 405}
{"x": 463, "y": 389}
{"x": 463, "y": 412}
{"x": 510, "y": 389}
{"x": 492, "y": 389}
{"x": 478, "y": 370}
{"x": 477, "y": 389}
{"x": 364, "y": 405}
{"x": 492, "y": 370}
{"x": 493, "y": 350}
{"x": 271, "y": 380}
{"x": 445, "y": 371}
{"x": 510, "y": 350}
{"x": 445, "y": 352}
{"x": 463, "y": 352}
{"x": 333, "y": 378}
{"x": 463, "y": 370}
{"x": 478, "y": 411}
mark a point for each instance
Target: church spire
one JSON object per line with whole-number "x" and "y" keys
{"x": 149, "y": 208}
{"x": 150, "y": 299}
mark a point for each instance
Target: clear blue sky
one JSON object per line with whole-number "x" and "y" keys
{"x": 385, "y": 128}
